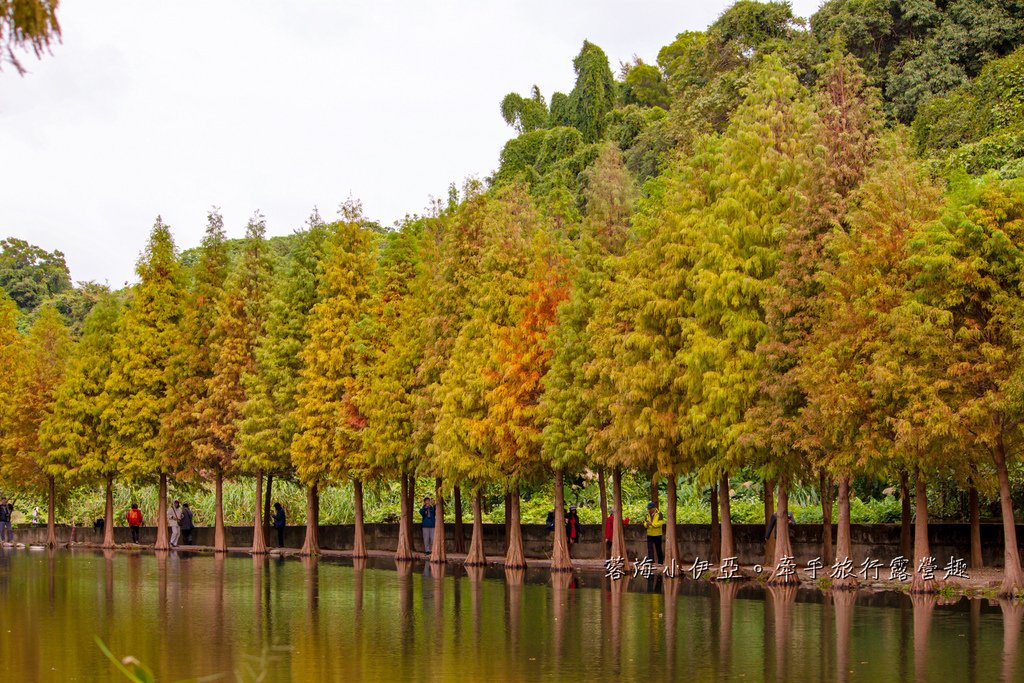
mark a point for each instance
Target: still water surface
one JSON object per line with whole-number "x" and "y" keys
{"x": 190, "y": 616}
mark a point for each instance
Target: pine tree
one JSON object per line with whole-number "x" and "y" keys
{"x": 74, "y": 436}
{"x": 139, "y": 382}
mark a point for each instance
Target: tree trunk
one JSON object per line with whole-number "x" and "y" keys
{"x": 921, "y": 550}
{"x": 716, "y": 528}
{"x": 782, "y": 576}
{"x": 259, "y": 539}
{"x": 220, "y": 544}
{"x": 108, "y": 515}
{"x": 311, "y": 545}
{"x": 359, "y": 541}
{"x": 410, "y": 513}
{"x": 161, "y": 516}
{"x": 602, "y": 491}
{"x": 438, "y": 554}
{"x": 618, "y": 532}
{"x": 769, "y": 510}
{"x": 654, "y": 489}
{"x": 404, "y": 551}
{"x": 728, "y": 549}
{"x": 1013, "y": 577}
{"x": 51, "y": 514}
{"x": 460, "y": 534}
{"x": 825, "y": 485}
{"x": 475, "y": 557}
{"x": 905, "y": 547}
{"x": 671, "y": 547}
{"x": 975, "y": 514}
{"x": 560, "y": 559}
{"x": 844, "y": 543}
{"x": 514, "y": 558}
{"x": 508, "y": 518}
{"x": 268, "y": 497}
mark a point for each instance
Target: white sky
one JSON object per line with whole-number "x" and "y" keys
{"x": 170, "y": 108}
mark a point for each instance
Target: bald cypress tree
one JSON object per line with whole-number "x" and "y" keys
{"x": 267, "y": 425}
{"x": 240, "y": 321}
{"x": 390, "y": 337}
{"x": 139, "y": 382}
{"x": 37, "y": 378}
{"x": 183, "y": 430}
{"x": 569, "y": 403}
{"x": 75, "y": 436}
{"x": 326, "y": 419}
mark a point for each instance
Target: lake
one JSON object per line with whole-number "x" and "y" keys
{"x": 239, "y": 618}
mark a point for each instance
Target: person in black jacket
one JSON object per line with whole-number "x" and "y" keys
{"x": 773, "y": 520}
{"x": 279, "y": 520}
{"x": 6, "y": 512}
{"x": 187, "y": 523}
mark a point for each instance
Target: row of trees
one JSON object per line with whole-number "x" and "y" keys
{"x": 790, "y": 291}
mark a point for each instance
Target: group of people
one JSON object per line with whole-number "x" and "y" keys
{"x": 572, "y": 524}
{"x": 654, "y": 523}
{"x": 182, "y": 523}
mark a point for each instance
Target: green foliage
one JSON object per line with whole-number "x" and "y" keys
{"x": 327, "y": 421}
{"x": 644, "y": 86}
{"x": 37, "y": 376}
{"x": 750, "y": 24}
{"x": 978, "y": 126}
{"x": 74, "y": 436}
{"x": 241, "y": 315}
{"x": 525, "y": 114}
{"x": 267, "y": 426}
{"x": 144, "y": 348}
{"x": 920, "y": 48}
{"x": 593, "y": 96}
{"x": 30, "y": 275}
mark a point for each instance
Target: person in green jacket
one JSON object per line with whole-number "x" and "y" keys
{"x": 655, "y": 525}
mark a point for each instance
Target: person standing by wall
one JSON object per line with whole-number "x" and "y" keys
{"x": 572, "y": 526}
{"x": 135, "y": 521}
{"x": 655, "y": 525}
{"x": 174, "y": 521}
{"x": 427, "y": 512}
{"x": 6, "y": 513}
{"x": 279, "y": 522}
{"x": 187, "y": 525}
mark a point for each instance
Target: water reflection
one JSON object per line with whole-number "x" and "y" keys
{"x": 923, "y": 606}
{"x": 1012, "y": 613}
{"x": 726, "y": 592}
{"x": 842, "y": 604}
{"x": 324, "y": 619}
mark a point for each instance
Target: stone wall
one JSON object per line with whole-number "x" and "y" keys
{"x": 878, "y": 541}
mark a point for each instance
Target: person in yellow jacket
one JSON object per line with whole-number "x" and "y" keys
{"x": 654, "y": 522}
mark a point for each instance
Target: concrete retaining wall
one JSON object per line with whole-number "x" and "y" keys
{"x": 878, "y": 541}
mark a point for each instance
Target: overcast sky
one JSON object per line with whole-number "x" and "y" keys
{"x": 170, "y": 108}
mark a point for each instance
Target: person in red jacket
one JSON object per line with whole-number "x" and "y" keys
{"x": 135, "y": 521}
{"x": 608, "y": 525}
